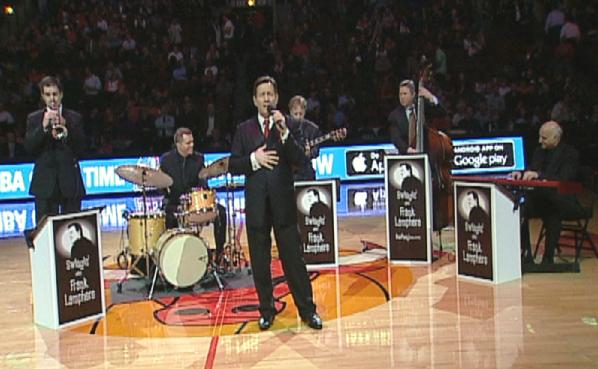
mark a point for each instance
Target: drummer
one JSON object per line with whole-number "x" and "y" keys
{"x": 183, "y": 165}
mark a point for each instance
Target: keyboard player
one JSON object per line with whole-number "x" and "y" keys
{"x": 557, "y": 161}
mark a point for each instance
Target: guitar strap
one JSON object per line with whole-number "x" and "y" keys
{"x": 302, "y": 133}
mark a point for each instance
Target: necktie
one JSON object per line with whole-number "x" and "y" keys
{"x": 266, "y": 127}
{"x": 412, "y": 128}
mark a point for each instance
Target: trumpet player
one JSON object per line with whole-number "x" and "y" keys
{"x": 55, "y": 137}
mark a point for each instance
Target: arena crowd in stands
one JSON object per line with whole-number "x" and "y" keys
{"x": 138, "y": 69}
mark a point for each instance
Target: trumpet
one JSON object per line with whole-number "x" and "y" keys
{"x": 60, "y": 130}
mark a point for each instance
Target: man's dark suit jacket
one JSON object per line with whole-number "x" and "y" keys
{"x": 560, "y": 163}
{"x": 398, "y": 124}
{"x": 184, "y": 173}
{"x": 56, "y": 161}
{"x": 267, "y": 189}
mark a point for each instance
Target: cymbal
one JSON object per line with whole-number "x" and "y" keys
{"x": 217, "y": 168}
{"x": 144, "y": 176}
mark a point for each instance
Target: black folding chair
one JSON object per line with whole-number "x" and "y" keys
{"x": 576, "y": 227}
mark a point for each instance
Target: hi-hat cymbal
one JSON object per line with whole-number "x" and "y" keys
{"x": 217, "y": 168}
{"x": 144, "y": 176}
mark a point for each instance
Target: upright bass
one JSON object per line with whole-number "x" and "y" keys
{"x": 439, "y": 148}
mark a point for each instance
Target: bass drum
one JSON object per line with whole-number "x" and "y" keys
{"x": 182, "y": 256}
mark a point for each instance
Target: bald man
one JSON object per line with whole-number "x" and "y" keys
{"x": 553, "y": 160}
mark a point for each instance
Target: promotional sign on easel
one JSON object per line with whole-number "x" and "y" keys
{"x": 316, "y": 218}
{"x": 66, "y": 269}
{"x": 484, "y": 251}
{"x": 408, "y": 208}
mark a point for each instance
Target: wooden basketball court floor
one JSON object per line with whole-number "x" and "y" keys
{"x": 375, "y": 316}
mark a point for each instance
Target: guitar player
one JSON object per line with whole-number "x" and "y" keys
{"x": 308, "y": 131}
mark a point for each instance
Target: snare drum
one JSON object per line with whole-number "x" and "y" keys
{"x": 182, "y": 256}
{"x": 156, "y": 225}
{"x": 199, "y": 205}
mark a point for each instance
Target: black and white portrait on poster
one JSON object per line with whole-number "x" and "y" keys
{"x": 78, "y": 268}
{"x": 407, "y": 211}
{"x": 316, "y": 214}
{"x": 474, "y": 244}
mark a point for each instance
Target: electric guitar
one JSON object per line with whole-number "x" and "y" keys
{"x": 336, "y": 135}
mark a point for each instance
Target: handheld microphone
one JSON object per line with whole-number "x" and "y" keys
{"x": 271, "y": 109}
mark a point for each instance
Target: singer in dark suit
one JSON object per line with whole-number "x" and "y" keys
{"x": 55, "y": 136}
{"x": 264, "y": 150}
{"x": 398, "y": 119}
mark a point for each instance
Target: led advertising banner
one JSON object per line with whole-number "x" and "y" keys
{"x": 354, "y": 163}
{"x": 488, "y": 155}
{"x": 15, "y": 180}
{"x": 99, "y": 177}
{"x": 347, "y": 163}
{"x": 16, "y": 217}
{"x": 363, "y": 199}
{"x": 355, "y": 198}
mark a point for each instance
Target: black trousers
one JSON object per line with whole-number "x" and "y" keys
{"x": 55, "y": 205}
{"x": 552, "y": 208}
{"x": 288, "y": 242}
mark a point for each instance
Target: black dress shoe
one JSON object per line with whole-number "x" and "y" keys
{"x": 314, "y": 321}
{"x": 265, "y": 322}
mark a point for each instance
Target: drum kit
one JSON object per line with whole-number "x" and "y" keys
{"x": 180, "y": 256}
